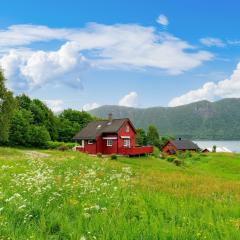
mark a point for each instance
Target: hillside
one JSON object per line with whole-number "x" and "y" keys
{"x": 68, "y": 195}
{"x": 201, "y": 120}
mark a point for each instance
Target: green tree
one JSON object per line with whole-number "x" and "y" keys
{"x": 20, "y": 128}
{"x": 42, "y": 115}
{"x": 70, "y": 122}
{"x": 141, "y": 138}
{"x": 153, "y": 136}
{"x": 38, "y": 136}
{"x": 7, "y": 105}
{"x": 23, "y": 102}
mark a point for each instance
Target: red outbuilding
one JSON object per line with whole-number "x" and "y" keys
{"x": 172, "y": 146}
{"x": 112, "y": 136}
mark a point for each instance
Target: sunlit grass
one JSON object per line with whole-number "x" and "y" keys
{"x": 69, "y": 195}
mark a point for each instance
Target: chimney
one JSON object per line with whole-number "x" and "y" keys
{"x": 110, "y": 117}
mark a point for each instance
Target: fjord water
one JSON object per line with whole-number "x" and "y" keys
{"x": 234, "y": 146}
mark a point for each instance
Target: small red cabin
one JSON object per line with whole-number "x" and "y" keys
{"x": 172, "y": 146}
{"x": 112, "y": 136}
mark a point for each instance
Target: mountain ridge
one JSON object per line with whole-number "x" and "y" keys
{"x": 219, "y": 120}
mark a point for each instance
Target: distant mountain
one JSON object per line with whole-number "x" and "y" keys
{"x": 201, "y": 120}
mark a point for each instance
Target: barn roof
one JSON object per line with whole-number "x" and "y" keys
{"x": 185, "y": 144}
{"x": 97, "y": 128}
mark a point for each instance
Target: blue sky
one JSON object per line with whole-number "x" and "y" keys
{"x": 83, "y": 54}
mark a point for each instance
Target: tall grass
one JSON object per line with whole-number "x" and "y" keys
{"x": 67, "y": 195}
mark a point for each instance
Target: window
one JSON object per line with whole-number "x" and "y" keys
{"x": 127, "y": 128}
{"x": 126, "y": 143}
{"x": 90, "y": 141}
{"x": 109, "y": 142}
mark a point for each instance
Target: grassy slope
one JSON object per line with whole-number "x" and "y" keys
{"x": 67, "y": 195}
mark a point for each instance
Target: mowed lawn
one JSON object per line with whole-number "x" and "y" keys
{"x": 69, "y": 195}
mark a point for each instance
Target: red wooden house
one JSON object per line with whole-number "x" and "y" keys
{"x": 172, "y": 146}
{"x": 112, "y": 136}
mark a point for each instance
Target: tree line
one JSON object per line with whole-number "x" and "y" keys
{"x": 30, "y": 123}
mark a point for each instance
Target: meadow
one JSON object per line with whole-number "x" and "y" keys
{"x": 49, "y": 194}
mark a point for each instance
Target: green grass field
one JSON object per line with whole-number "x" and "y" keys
{"x": 68, "y": 195}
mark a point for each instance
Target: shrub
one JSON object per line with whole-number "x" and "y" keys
{"x": 170, "y": 158}
{"x": 114, "y": 157}
{"x": 178, "y": 162}
{"x": 180, "y": 154}
{"x": 59, "y": 145}
{"x": 70, "y": 145}
{"x": 188, "y": 154}
{"x": 156, "y": 152}
{"x": 54, "y": 145}
{"x": 63, "y": 148}
{"x": 214, "y": 148}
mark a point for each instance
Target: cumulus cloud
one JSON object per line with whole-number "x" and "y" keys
{"x": 55, "y": 104}
{"x": 129, "y": 100}
{"x": 212, "y": 42}
{"x": 26, "y": 69}
{"x": 163, "y": 20}
{"x": 90, "y": 106}
{"x": 129, "y": 46}
{"x": 228, "y": 88}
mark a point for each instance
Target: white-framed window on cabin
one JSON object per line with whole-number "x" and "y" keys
{"x": 127, "y": 129}
{"x": 109, "y": 142}
{"x": 90, "y": 141}
{"x": 126, "y": 143}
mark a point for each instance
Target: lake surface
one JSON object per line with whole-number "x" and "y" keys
{"x": 234, "y": 146}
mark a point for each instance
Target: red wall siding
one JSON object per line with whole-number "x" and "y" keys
{"x": 90, "y": 148}
{"x": 110, "y": 149}
{"x": 122, "y": 132}
{"x": 169, "y": 146}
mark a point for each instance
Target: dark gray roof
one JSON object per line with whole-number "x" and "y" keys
{"x": 185, "y": 145}
{"x": 97, "y": 128}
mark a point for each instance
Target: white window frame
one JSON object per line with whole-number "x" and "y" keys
{"x": 109, "y": 142}
{"x": 127, "y": 129}
{"x": 126, "y": 142}
{"x": 90, "y": 142}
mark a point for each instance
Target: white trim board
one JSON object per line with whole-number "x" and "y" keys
{"x": 109, "y": 138}
{"x": 127, "y": 137}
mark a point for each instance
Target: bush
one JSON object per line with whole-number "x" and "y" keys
{"x": 170, "y": 158}
{"x": 156, "y": 152}
{"x": 99, "y": 155}
{"x": 63, "y": 148}
{"x": 54, "y": 145}
{"x": 70, "y": 145}
{"x": 178, "y": 162}
{"x": 114, "y": 157}
{"x": 60, "y": 145}
{"x": 180, "y": 154}
{"x": 188, "y": 154}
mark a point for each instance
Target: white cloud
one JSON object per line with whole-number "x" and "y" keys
{"x": 90, "y": 106}
{"x": 212, "y": 42}
{"x": 163, "y": 20}
{"x": 55, "y": 104}
{"x": 129, "y": 100}
{"x": 129, "y": 46}
{"x": 228, "y": 88}
{"x": 26, "y": 69}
